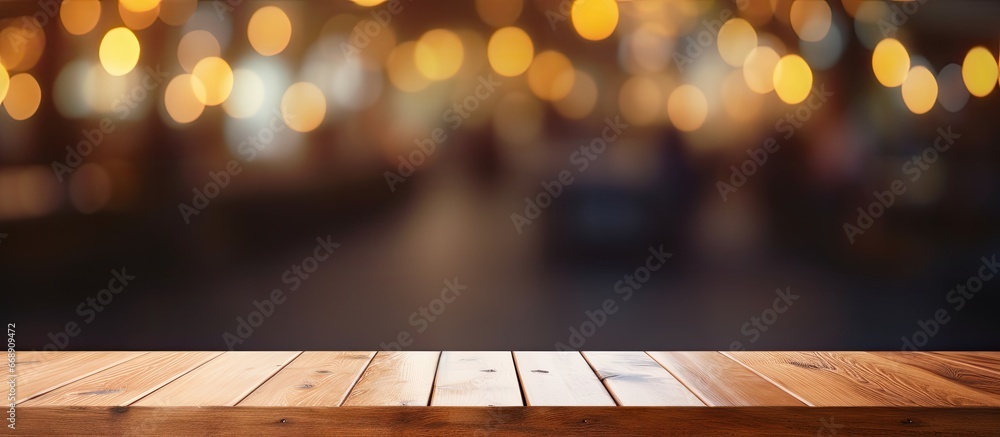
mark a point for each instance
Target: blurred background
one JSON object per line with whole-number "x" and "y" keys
{"x": 203, "y": 147}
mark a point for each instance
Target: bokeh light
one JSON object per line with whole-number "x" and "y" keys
{"x": 368, "y": 3}
{"x": 810, "y": 19}
{"x": 979, "y": 71}
{"x": 21, "y": 44}
{"x": 247, "y": 96}
{"x": 119, "y": 51}
{"x": 890, "y": 62}
{"x": 139, "y": 19}
{"x": 545, "y": 76}
{"x": 195, "y": 46}
{"x": 740, "y": 102}
{"x": 758, "y": 69}
{"x": 23, "y": 96}
{"x": 4, "y": 82}
{"x": 952, "y": 92}
{"x": 70, "y": 97}
{"x": 177, "y": 12}
{"x": 499, "y": 13}
{"x": 269, "y": 30}
{"x": 581, "y": 98}
{"x": 641, "y": 100}
{"x": 216, "y": 78}
{"x": 510, "y": 51}
{"x": 303, "y": 106}
{"x": 139, "y": 5}
{"x": 401, "y": 68}
{"x": 439, "y": 54}
{"x": 79, "y": 17}
{"x": 792, "y": 79}
{"x": 594, "y": 19}
{"x": 181, "y": 98}
{"x": 920, "y": 90}
{"x": 736, "y": 39}
{"x": 687, "y": 108}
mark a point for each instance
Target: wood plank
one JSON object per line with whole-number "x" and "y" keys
{"x": 396, "y": 378}
{"x": 984, "y": 360}
{"x": 559, "y": 379}
{"x": 126, "y": 382}
{"x": 224, "y": 381}
{"x": 486, "y": 379}
{"x": 634, "y": 379}
{"x": 313, "y": 379}
{"x": 858, "y": 379}
{"x": 719, "y": 381}
{"x": 46, "y": 371}
{"x": 966, "y": 374}
{"x": 438, "y": 421}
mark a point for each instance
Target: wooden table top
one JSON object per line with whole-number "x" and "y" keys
{"x": 780, "y": 393}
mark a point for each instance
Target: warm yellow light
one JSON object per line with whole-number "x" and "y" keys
{"x": 920, "y": 90}
{"x": 792, "y": 79}
{"x": 499, "y": 13}
{"x": 582, "y": 97}
{"x": 4, "y": 82}
{"x": 510, "y": 51}
{"x": 119, "y": 51}
{"x": 594, "y": 19}
{"x": 641, "y": 100}
{"x": 810, "y": 19}
{"x": 177, "y": 12}
{"x": 138, "y": 20}
{"x": 736, "y": 39}
{"x": 687, "y": 108}
{"x": 438, "y": 54}
{"x": 368, "y": 3}
{"x": 23, "y": 97}
{"x": 181, "y": 98}
{"x": 216, "y": 78}
{"x": 79, "y": 16}
{"x": 139, "y": 5}
{"x": 247, "y": 96}
{"x": 979, "y": 71}
{"x": 269, "y": 30}
{"x": 21, "y": 44}
{"x": 195, "y": 46}
{"x": 547, "y": 67}
{"x": 303, "y": 106}
{"x": 891, "y": 62}
{"x": 758, "y": 69}
{"x": 402, "y": 70}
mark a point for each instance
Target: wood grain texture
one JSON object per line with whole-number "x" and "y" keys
{"x": 983, "y": 360}
{"x": 127, "y": 382}
{"x": 321, "y": 379}
{"x": 719, "y": 381}
{"x": 858, "y": 379}
{"x": 42, "y": 372}
{"x": 559, "y": 379}
{"x": 485, "y": 379}
{"x": 634, "y": 379}
{"x": 966, "y": 374}
{"x": 224, "y": 381}
{"x": 480, "y": 421}
{"x": 396, "y": 378}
